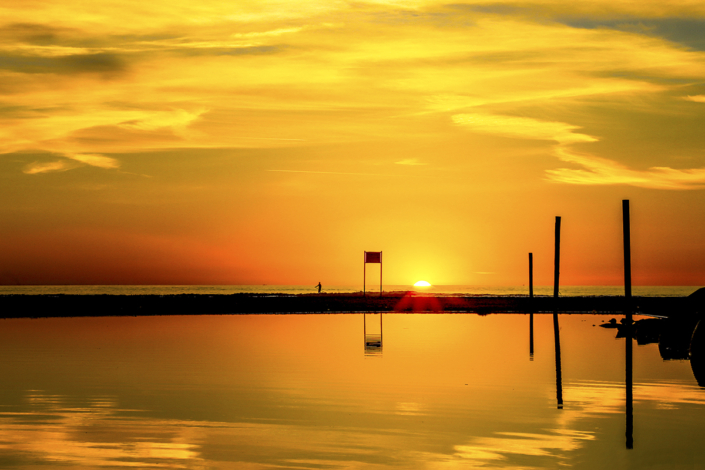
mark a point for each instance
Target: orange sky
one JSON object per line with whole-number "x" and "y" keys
{"x": 273, "y": 142}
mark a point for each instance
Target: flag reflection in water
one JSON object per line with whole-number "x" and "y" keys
{"x": 373, "y": 338}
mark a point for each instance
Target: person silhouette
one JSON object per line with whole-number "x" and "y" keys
{"x": 319, "y": 287}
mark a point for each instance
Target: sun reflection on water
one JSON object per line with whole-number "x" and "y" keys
{"x": 93, "y": 435}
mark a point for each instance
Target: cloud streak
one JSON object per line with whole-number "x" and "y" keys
{"x": 70, "y": 162}
{"x": 601, "y": 171}
{"x": 99, "y": 161}
{"x": 521, "y": 127}
{"x": 696, "y": 98}
{"x": 596, "y": 170}
{"x": 178, "y": 118}
{"x": 331, "y": 173}
{"x": 35, "y": 168}
{"x": 410, "y": 162}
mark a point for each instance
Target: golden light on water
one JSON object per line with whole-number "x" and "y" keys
{"x": 422, "y": 284}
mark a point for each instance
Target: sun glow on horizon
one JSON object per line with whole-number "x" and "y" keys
{"x": 422, "y": 284}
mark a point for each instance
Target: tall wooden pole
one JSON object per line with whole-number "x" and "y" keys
{"x": 629, "y": 408}
{"x": 380, "y": 274}
{"x": 557, "y": 259}
{"x": 531, "y": 275}
{"x": 627, "y": 259}
{"x": 556, "y": 329}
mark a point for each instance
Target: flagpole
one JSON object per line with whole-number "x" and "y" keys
{"x": 364, "y": 272}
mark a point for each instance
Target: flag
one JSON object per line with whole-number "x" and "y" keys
{"x": 373, "y": 257}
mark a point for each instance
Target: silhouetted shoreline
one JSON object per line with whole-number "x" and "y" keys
{"x": 62, "y": 305}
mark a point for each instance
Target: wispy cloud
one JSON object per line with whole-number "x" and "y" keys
{"x": 410, "y": 162}
{"x": 331, "y": 173}
{"x": 70, "y": 162}
{"x": 596, "y": 170}
{"x": 522, "y": 127}
{"x": 99, "y": 161}
{"x": 178, "y": 118}
{"x": 35, "y": 168}
{"x": 601, "y": 171}
{"x": 695, "y": 98}
{"x": 274, "y": 32}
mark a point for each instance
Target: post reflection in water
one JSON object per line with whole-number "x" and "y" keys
{"x": 531, "y": 336}
{"x": 559, "y": 378}
{"x": 373, "y": 341}
{"x": 629, "y": 385}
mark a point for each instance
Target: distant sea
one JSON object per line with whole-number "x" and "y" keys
{"x": 267, "y": 289}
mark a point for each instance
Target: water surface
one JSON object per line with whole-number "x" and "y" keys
{"x": 313, "y": 391}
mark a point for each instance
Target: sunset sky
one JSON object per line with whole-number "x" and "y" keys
{"x": 254, "y": 141}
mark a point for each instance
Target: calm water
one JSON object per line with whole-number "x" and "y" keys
{"x": 653, "y": 291}
{"x": 433, "y": 391}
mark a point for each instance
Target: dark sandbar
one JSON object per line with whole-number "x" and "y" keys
{"x": 37, "y": 306}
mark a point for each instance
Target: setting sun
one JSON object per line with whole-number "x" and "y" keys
{"x": 422, "y": 284}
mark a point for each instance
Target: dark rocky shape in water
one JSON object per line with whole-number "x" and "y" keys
{"x": 647, "y": 331}
{"x": 675, "y": 340}
{"x": 697, "y": 353}
{"x": 696, "y": 300}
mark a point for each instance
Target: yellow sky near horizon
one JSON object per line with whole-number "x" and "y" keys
{"x": 258, "y": 142}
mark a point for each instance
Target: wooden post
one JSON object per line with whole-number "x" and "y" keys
{"x": 380, "y": 274}
{"x": 556, "y": 329}
{"x": 627, "y": 259}
{"x": 628, "y": 358}
{"x": 364, "y": 272}
{"x": 531, "y": 275}
{"x": 557, "y": 258}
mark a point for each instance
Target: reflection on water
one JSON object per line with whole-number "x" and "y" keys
{"x": 557, "y": 356}
{"x": 297, "y": 391}
{"x": 373, "y": 336}
{"x": 51, "y": 429}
